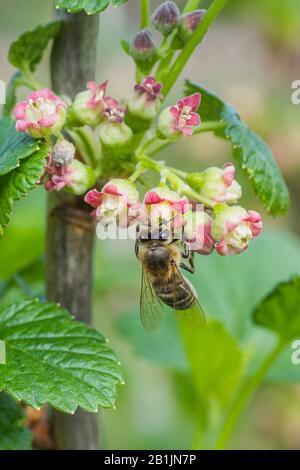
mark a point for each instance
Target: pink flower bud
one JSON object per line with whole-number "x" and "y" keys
{"x": 89, "y": 105}
{"x": 166, "y": 17}
{"x": 180, "y": 119}
{"x": 113, "y": 202}
{"x": 233, "y": 228}
{"x": 197, "y": 232}
{"x": 216, "y": 184}
{"x": 144, "y": 105}
{"x": 63, "y": 153}
{"x": 42, "y": 114}
{"x": 143, "y": 48}
{"x": 189, "y": 23}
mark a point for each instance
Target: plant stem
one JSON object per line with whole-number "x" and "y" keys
{"x": 191, "y": 5}
{"x": 28, "y": 79}
{"x": 209, "y": 126}
{"x": 191, "y": 45}
{"x": 145, "y": 14}
{"x": 70, "y": 229}
{"x": 176, "y": 179}
{"x": 245, "y": 393}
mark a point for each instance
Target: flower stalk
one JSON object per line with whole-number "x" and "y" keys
{"x": 176, "y": 69}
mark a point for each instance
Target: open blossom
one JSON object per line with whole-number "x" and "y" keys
{"x": 180, "y": 119}
{"x": 113, "y": 112}
{"x": 42, "y": 114}
{"x": 75, "y": 178}
{"x": 164, "y": 205}
{"x": 112, "y": 203}
{"x": 89, "y": 105}
{"x": 57, "y": 177}
{"x": 145, "y": 103}
{"x": 150, "y": 88}
{"x": 197, "y": 232}
{"x": 115, "y": 135}
{"x": 217, "y": 184}
{"x": 233, "y": 228}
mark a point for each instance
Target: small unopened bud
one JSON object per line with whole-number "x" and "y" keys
{"x": 189, "y": 23}
{"x": 166, "y": 17}
{"x": 63, "y": 153}
{"x": 143, "y": 47}
{"x": 115, "y": 138}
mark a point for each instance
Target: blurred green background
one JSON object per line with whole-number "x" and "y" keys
{"x": 250, "y": 57}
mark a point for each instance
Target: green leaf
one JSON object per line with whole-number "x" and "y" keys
{"x": 117, "y": 3}
{"x": 11, "y": 94}
{"x": 13, "y": 435}
{"x": 17, "y": 183}
{"x": 14, "y": 146}
{"x": 27, "y": 51}
{"x": 251, "y": 152}
{"x": 91, "y": 7}
{"x": 52, "y": 359}
{"x": 215, "y": 359}
{"x": 280, "y": 310}
{"x": 28, "y": 282}
{"x": 163, "y": 346}
{"x": 216, "y": 364}
{"x": 126, "y": 47}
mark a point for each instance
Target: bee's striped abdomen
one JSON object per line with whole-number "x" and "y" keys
{"x": 177, "y": 295}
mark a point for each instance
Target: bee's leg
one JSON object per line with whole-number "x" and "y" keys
{"x": 174, "y": 240}
{"x": 137, "y": 249}
{"x": 190, "y": 267}
{"x": 186, "y": 252}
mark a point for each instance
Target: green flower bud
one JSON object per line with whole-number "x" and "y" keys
{"x": 115, "y": 138}
{"x": 82, "y": 112}
{"x": 143, "y": 48}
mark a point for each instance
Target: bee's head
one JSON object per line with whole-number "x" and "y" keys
{"x": 160, "y": 233}
{"x": 158, "y": 258}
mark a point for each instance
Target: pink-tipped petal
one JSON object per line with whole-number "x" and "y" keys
{"x": 193, "y": 101}
{"x": 94, "y": 198}
{"x": 221, "y": 248}
{"x": 253, "y": 217}
{"x": 112, "y": 189}
{"x": 228, "y": 174}
{"x": 19, "y": 111}
{"x": 48, "y": 121}
{"x": 193, "y": 120}
{"x": 152, "y": 197}
{"x": 21, "y": 126}
{"x": 188, "y": 131}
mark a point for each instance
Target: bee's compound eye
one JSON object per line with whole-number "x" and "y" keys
{"x": 165, "y": 234}
{"x": 144, "y": 236}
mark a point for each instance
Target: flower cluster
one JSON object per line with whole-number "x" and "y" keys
{"x": 43, "y": 115}
{"x": 227, "y": 229}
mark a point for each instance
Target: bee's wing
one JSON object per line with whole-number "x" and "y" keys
{"x": 195, "y": 314}
{"x": 151, "y": 309}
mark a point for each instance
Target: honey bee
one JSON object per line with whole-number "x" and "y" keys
{"x": 162, "y": 283}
